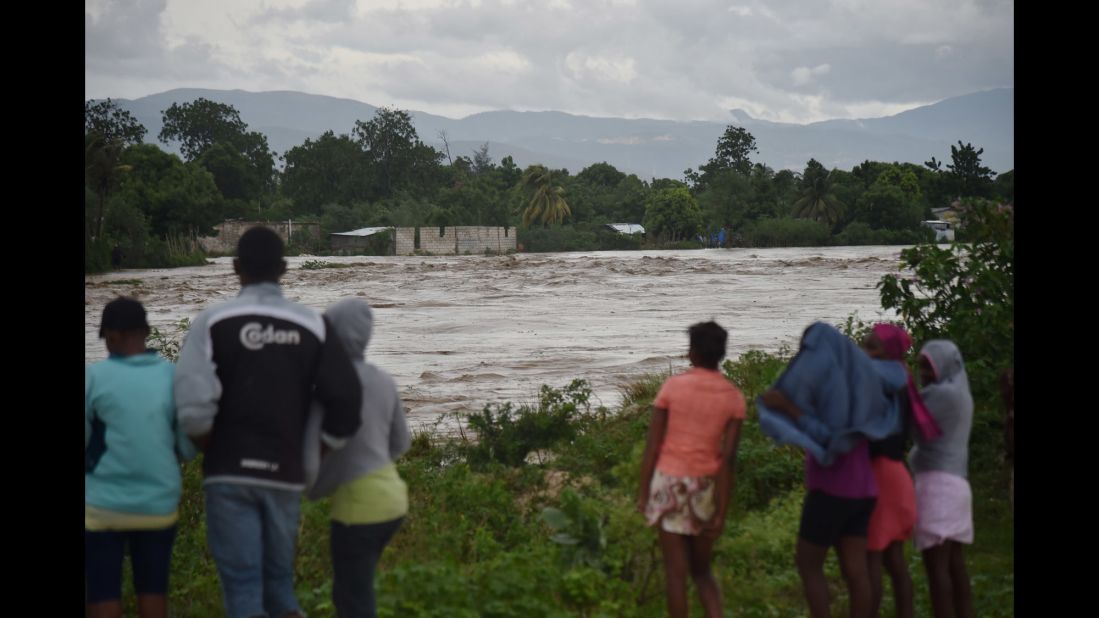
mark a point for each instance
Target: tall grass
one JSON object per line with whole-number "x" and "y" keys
{"x": 477, "y": 541}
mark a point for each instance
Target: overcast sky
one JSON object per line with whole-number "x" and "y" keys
{"x": 782, "y": 60}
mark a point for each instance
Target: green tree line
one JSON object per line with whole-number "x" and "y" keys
{"x": 145, "y": 207}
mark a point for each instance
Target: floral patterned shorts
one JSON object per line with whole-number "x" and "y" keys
{"x": 682, "y": 504}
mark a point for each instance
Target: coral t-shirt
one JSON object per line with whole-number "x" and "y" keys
{"x": 700, "y": 403}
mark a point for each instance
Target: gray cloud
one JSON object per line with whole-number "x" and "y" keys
{"x": 323, "y": 11}
{"x": 790, "y": 60}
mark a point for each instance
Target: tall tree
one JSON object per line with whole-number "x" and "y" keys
{"x": 733, "y": 150}
{"x": 672, "y": 214}
{"x": 732, "y": 153}
{"x": 628, "y": 203}
{"x": 817, "y": 201}
{"x": 115, "y": 124}
{"x": 594, "y": 193}
{"x": 667, "y": 183}
{"x": 974, "y": 179}
{"x": 328, "y": 170}
{"x": 545, "y": 199}
{"x": 392, "y": 146}
{"x": 445, "y": 137}
{"x": 888, "y": 206}
{"x": 482, "y": 162}
{"x": 176, "y": 197}
{"x": 201, "y": 124}
{"x": 108, "y": 131}
{"x": 726, "y": 201}
{"x": 602, "y": 174}
{"x": 510, "y": 174}
{"x": 1005, "y": 187}
{"x": 102, "y": 171}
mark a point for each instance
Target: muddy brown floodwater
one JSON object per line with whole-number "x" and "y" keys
{"x": 460, "y": 331}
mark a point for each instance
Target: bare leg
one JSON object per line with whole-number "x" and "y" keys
{"x": 105, "y": 609}
{"x": 873, "y": 568}
{"x": 959, "y": 577}
{"x": 701, "y": 557}
{"x": 675, "y": 548}
{"x": 852, "y": 555}
{"x": 902, "y": 581}
{"x": 937, "y": 562}
{"x": 152, "y": 606}
{"x": 810, "y": 562}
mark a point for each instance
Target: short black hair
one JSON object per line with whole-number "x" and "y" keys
{"x": 123, "y": 314}
{"x": 708, "y": 341}
{"x": 259, "y": 253}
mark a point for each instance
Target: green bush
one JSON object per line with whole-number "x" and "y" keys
{"x": 755, "y": 371}
{"x": 787, "y": 233}
{"x": 536, "y": 239}
{"x": 965, "y": 292}
{"x": 578, "y": 528}
{"x": 169, "y": 344}
{"x": 507, "y": 434}
{"x": 97, "y": 256}
{"x": 576, "y": 237}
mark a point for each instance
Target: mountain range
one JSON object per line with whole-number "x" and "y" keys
{"x": 650, "y": 148}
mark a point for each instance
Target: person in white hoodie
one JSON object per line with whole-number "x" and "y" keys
{"x": 369, "y": 499}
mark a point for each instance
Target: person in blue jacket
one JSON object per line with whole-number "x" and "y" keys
{"x": 132, "y": 482}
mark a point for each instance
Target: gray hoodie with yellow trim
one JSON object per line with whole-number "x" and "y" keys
{"x": 383, "y": 435}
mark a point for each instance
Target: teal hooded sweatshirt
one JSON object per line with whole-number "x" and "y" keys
{"x": 131, "y": 446}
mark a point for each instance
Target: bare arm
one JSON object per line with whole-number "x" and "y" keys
{"x": 202, "y": 442}
{"x": 726, "y": 477}
{"x": 779, "y": 402}
{"x": 657, "y": 428}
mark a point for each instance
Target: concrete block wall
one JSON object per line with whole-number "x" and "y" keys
{"x": 459, "y": 240}
{"x": 507, "y": 239}
{"x": 229, "y": 233}
{"x": 476, "y": 239}
{"x": 432, "y": 242}
{"x": 405, "y": 241}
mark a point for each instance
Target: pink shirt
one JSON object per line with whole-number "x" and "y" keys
{"x": 700, "y": 403}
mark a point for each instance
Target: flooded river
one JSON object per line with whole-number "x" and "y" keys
{"x": 460, "y": 331}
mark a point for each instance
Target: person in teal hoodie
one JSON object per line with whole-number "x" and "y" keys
{"x": 369, "y": 499}
{"x": 132, "y": 451}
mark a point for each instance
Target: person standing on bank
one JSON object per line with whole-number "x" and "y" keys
{"x": 247, "y": 373}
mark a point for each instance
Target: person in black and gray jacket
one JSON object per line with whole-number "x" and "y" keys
{"x": 246, "y": 375}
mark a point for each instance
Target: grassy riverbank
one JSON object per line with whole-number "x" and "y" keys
{"x": 479, "y": 540}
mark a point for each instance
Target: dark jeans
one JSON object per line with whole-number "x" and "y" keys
{"x": 355, "y": 553}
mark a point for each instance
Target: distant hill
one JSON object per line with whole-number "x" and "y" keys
{"x": 650, "y": 148}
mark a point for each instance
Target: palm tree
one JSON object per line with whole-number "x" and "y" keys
{"x": 817, "y": 201}
{"x": 102, "y": 170}
{"x": 547, "y": 204}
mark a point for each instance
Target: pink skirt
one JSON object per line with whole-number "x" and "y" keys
{"x": 682, "y": 504}
{"x": 944, "y": 509}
